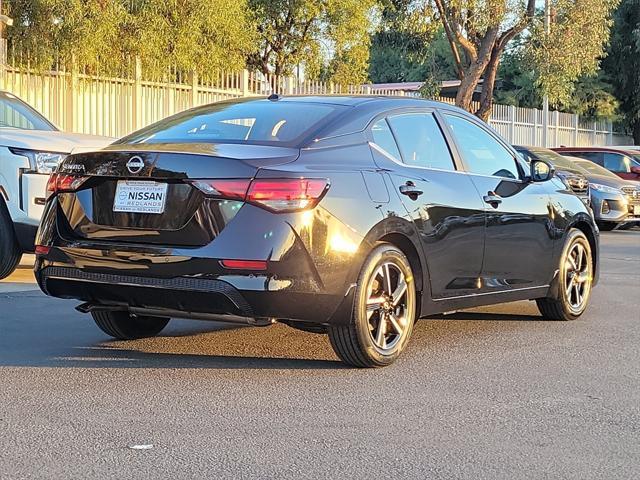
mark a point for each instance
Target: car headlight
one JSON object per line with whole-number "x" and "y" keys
{"x": 41, "y": 162}
{"x": 605, "y": 188}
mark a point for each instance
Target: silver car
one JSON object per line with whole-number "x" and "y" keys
{"x": 615, "y": 201}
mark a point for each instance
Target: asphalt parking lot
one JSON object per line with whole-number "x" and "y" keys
{"x": 489, "y": 393}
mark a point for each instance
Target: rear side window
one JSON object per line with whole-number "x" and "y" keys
{"x": 482, "y": 153}
{"x": 420, "y": 141}
{"x": 383, "y": 137}
{"x": 257, "y": 121}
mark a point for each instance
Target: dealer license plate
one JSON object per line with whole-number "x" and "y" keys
{"x": 136, "y": 196}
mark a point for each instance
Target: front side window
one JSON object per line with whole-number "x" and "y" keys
{"x": 482, "y": 153}
{"x": 420, "y": 141}
{"x": 617, "y": 162}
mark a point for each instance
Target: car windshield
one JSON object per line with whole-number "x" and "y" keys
{"x": 554, "y": 158}
{"x": 255, "y": 122}
{"x": 14, "y": 113}
{"x": 592, "y": 168}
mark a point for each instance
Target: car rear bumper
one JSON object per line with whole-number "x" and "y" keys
{"x": 249, "y": 297}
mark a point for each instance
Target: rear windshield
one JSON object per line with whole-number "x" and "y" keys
{"x": 256, "y": 122}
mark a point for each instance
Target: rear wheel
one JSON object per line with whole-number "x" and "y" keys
{"x": 124, "y": 326}
{"x": 10, "y": 252}
{"x": 575, "y": 277}
{"x": 384, "y": 311}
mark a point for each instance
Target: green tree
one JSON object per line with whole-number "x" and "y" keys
{"x": 294, "y": 32}
{"x": 479, "y": 32}
{"x": 623, "y": 63}
{"x": 401, "y": 46}
{"x": 106, "y": 35}
{"x": 578, "y": 34}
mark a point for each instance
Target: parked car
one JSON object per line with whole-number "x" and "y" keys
{"x": 612, "y": 209}
{"x": 624, "y": 163}
{"x": 351, "y": 216}
{"x": 30, "y": 149}
{"x": 612, "y": 206}
{"x": 573, "y": 178}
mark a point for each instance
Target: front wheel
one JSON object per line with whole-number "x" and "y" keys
{"x": 575, "y": 278}
{"x": 124, "y": 326}
{"x": 383, "y": 314}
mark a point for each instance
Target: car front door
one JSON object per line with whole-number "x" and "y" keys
{"x": 519, "y": 239}
{"x": 442, "y": 200}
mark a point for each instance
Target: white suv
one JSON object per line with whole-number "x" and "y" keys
{"x": 30, "y": 149}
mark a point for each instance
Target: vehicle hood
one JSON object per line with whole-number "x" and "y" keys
{"x": 46, "y": 141}
{"x": 610, "y": 181}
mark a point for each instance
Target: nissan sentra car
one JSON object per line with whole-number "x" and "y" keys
{"x": 346, "y": 216}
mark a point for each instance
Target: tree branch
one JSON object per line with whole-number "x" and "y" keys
{"x": 451, "y": 38}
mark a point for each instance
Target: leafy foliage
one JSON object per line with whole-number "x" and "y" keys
{"x": 401, "y": 48}
{"x": 294, "y": 32}
{"x": 105, "y": 35}
{"x": 623, "y": 63}
{"x": 579, "y": 32}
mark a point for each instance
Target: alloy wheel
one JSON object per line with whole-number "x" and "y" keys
{"x": 578, "y": 277}
{"x": 389, "y": 304}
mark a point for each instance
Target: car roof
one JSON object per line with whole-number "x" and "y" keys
{"x": 596, "y": 149}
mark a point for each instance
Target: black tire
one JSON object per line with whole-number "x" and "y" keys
{"x": 562, "y": 308}
{"x": 354, "y": 342}
{"x": 607, "y": 226}
{"x": 10, "y": 252}
{"x": 124, "y": 326}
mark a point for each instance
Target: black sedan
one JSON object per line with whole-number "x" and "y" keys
{"x": 351, "y": 216}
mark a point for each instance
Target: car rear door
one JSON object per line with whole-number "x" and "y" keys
{"x": 519, "y": 239}
{"x": 441, "y": 200}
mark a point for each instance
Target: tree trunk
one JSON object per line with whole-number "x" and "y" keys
{"x": 468, "y": 84}
{"x": 490, "y": 73}
{"x": 636, "y": 132}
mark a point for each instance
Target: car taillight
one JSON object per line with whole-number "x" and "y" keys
{"x": 235, "y": 189}
{"x": 275, "y": 194}
{"x": 287, "y": 195}
{"x": 61, "y": 182}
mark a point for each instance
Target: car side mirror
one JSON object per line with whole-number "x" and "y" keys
{"x": 635, "y": 170}
{"x": 541, "y": 171}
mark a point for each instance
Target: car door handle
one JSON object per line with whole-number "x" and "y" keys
{"x": 492, "y": 199}
{"x": 409, "y": 189}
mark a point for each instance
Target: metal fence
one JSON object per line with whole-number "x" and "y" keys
{"x": 83, "y": 103}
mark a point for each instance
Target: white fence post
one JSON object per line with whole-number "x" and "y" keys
{"x": 71, "y": 107}
{"x": 512, "y": 124}
{"x": 556, "y": 122}
{"x": 136, "y": 101}
{"x": 594, "y": 133}
{"x": 244, "y": 82}
{"x": 576, "y": 123}
{"x": 193, "y": 82}
{"x": 534, "y": 133}
{"x": 610, "y": 134}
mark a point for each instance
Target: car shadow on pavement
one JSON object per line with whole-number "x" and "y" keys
{"x": 36, "y": 331}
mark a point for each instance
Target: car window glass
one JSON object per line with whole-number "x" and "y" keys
{"x": 383, "y": 137}
{"x": 420, "y": 141}
{"x": 260, "y": 121}
{"x": 482, "y": 153}
{"x": 616, "y": 162}
{"x": 593, "y": 156}
{"x": 16, "y": 114}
